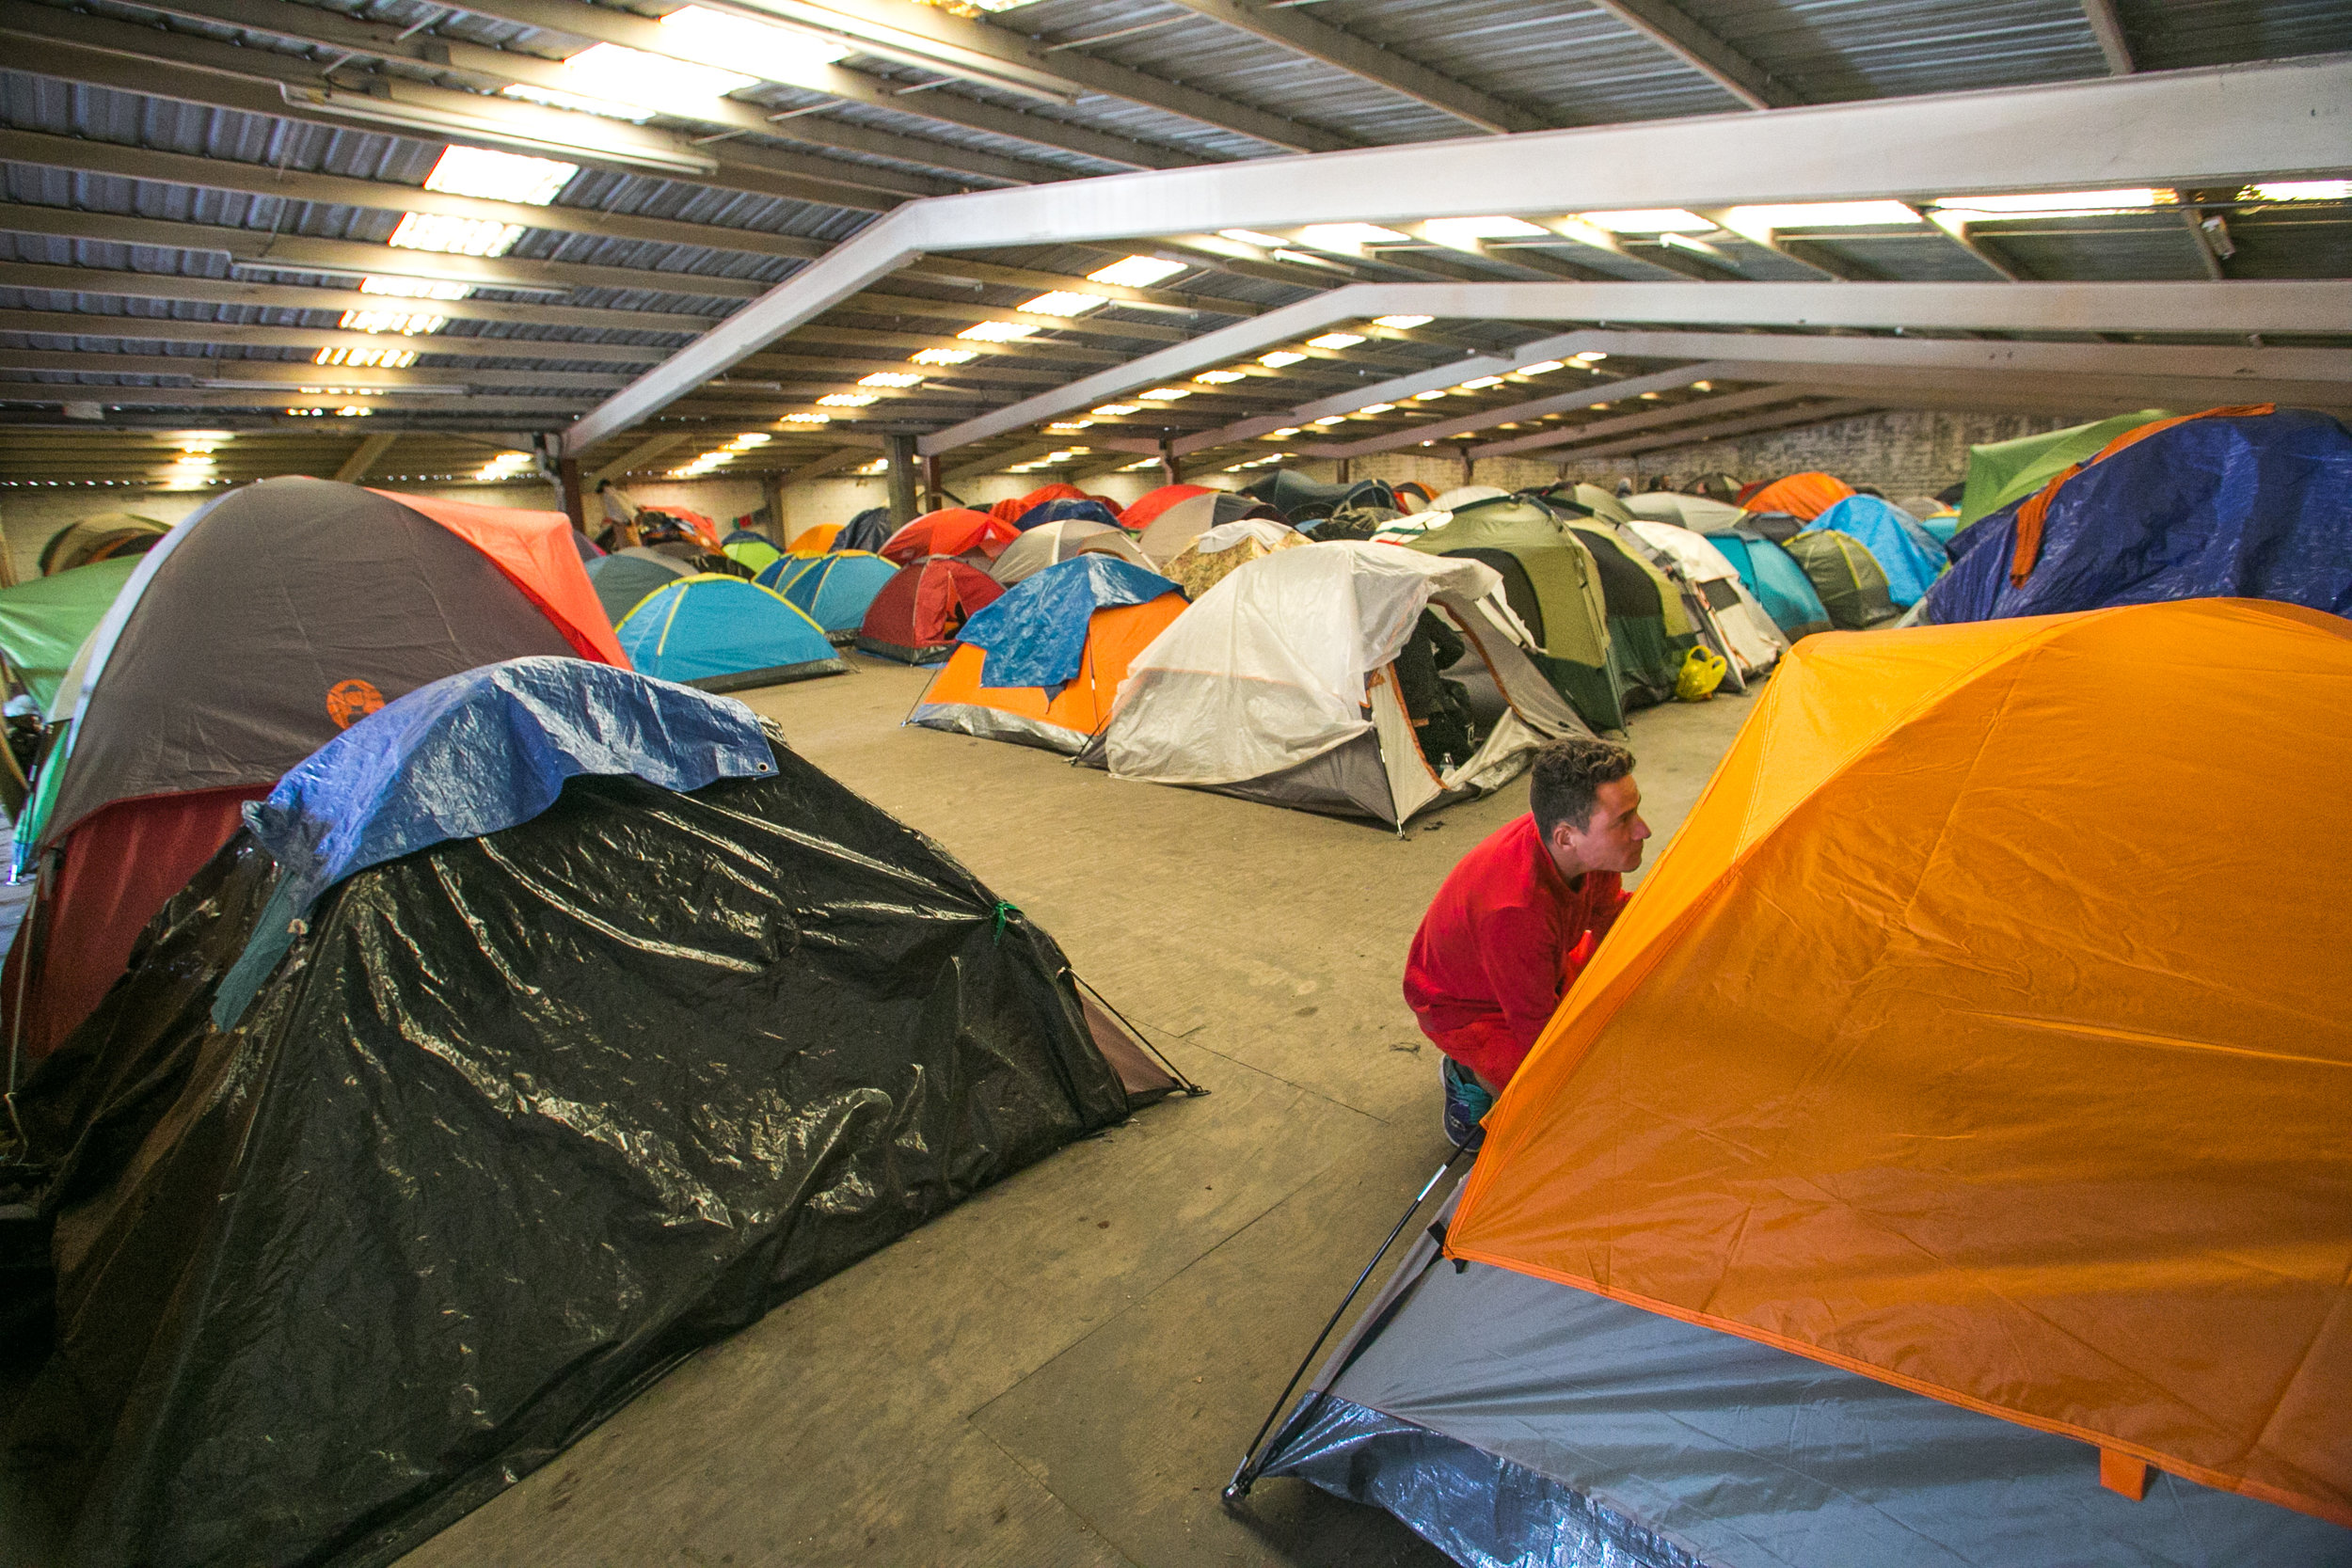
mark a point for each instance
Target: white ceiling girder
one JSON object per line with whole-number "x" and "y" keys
{"x": 2206, "y": 307}
{"x": 2194, "y": 127}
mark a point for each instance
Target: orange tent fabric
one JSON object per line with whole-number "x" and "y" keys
{"x": 1147, "y": 506}
{"x": 1803, "y": 497}
{"x": 1982, "y": 1031}
{"x": 534, "y": 551}
{"x": 1075, "y": 713}
{"x": 1012, "y": 507}
{"x": 813, "y": 541}
{"x": 954, "y": 531}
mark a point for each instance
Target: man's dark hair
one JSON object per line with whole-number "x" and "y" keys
{"x": 1567, "y": 778}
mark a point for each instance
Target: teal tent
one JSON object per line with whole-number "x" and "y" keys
{"x": 721, "y": 634}
{"x": 836, "y": 591}
{"x": 1779, "y": 585}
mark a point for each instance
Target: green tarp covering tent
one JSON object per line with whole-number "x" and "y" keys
{"x": 2000, "y": 473}
{"x": 1552, "y": 584}
{"x": 42, "y": 622}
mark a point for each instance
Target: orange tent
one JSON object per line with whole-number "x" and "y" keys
{"x": 954, "y": 531}
{"x": 1147, "y": 506}
{"x": 534, "y": 551}
{"x": 813, "y": 541}
{"x": 1803, "y": 497}
{"x": 1074, "y": 714}
{"x": 1982, "y": 1031}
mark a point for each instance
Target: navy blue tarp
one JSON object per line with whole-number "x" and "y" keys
{"x": 1036, "y": 634}
{"x": 468, "y": 755}
{"x": 2253, "y": 506}
{"x": 1066, "y": 508}
{"x": 867, "y": 532}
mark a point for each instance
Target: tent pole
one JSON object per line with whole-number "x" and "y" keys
{"x": 1247, "y": 1476}
{"x": 1174, "y": 1071}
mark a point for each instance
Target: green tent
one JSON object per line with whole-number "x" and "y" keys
{"x": 1649, "y": 630}
{"x": 2000, "y": 473}
{"x": 1554, "y": 585}
{"x": 1847, "y": 578}
{"x": 42, "y": 622}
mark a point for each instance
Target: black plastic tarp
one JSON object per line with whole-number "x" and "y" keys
{"x": 516, "y": 1122}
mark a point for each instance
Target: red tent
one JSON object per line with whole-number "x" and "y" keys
{"x": 955, "y": 531}
{"x": 917, "y": 615}
{"x": 1141, "y": 513}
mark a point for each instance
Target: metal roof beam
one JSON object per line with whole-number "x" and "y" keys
{"x": 1591, "y": 394}
{"x": 206, "y": 370}
{"x": 293, "y": 296}
{"x": 1786, "y": 419}
{"x": 2108, "y": 28}
{"x": 643, "y": 451}
{"x": 2193, "y": 127}
{"x": 1699, "y": 408}
{"x": 364, "y": 455}
{"x": 1368, "y": 61}
{"x": 170, "y": 330}
{"x": 1674, "y": 30}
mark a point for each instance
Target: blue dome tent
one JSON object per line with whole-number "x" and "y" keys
{"x": 722, "y": 634}
{"x": 836, "y": 591}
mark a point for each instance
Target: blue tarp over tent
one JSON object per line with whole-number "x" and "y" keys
{"x": 838, "y": 590}
{"x": 1036, "y": 634}
{"x": 1067, "y": 509}
{"x": 1772, "y": 574}
{"x": 1905, "y": 551}
{"x": 463, "y": 757}
{"x": 2253, "y": 506}
{"x": 721, "y": 632}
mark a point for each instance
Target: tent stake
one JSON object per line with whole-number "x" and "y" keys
{"x": 1247, "y": 1476}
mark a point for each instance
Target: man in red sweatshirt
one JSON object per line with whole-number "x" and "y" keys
{"x": 1517, "y": 921}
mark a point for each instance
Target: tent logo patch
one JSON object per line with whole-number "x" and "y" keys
{"x": 348, "y": 702}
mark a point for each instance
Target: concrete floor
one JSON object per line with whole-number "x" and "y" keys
{"x": 1065, "y": 1369}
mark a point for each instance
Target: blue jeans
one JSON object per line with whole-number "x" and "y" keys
{"x": 1466, "y": 1103}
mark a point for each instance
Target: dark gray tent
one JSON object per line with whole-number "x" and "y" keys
{"x": 626, "y": 577}
{"x": 1510, "y": 1419}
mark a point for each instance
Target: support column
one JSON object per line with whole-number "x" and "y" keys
{"x": 1466, "y": 462}
{"x": 1344, "y": 470}
{"x": 771, "y": 494}
{"x": 1167, "y": 461}
{"x": 575, "y": 502}
{"x": 900, "y": 450}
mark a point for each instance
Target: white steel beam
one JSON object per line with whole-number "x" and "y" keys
{"x": 1783, "y": 419}
{"x": 2187, "y": 127}
{"x": 363, "y": 456}
{"x": 2108, "y": 28}
{"x": 1674, "y": 30}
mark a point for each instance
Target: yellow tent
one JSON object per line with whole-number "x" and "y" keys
{"x": 1984, "y": 1030}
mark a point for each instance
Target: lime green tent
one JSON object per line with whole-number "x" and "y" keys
{"x": 2000, "y": 473}
{"x": 42, "y": 622}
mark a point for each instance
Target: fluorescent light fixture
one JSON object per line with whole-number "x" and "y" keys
{"x": 1649, "y": 397}
{"x": 1479, "y": 383}
{"x": 751, "y": 438}
{"x": 1336, "y": 340}
{"x": 454, "y": 236}
{"x": 499, "y": 176}
{"x": 1649, "y": 220}
{"x": 1429, "y": 397}
{"x": 1278, "y": 358}
{"x": 1279, "y": 434}
{"x": 414, "y": 287}
{"x": 1463, "y": 233}
{"x": 1136, "y": 272}
{"x": 2298, "y": 190}
{"x": 1219, "y": 378}
{"x": 1402, "y": 323}
{"x": 1375, "y": 408}
{"x": 1329, "y": 419}
{"x": 1542, "y": 367}
{"x": 632, "y": 76}
{"x": 2058, "y": 204}
{"x": 381, "y": 358}
{"x": 1070, "y": 427}
{"x": 402, "y": 321}
{"x": 879, "y": 466}
{"x": 1250, "y": 236}
{"x": 777, "y": 54}
{"x": 1702, "y": 385}
{"x": 1063, "y": 302}
{"x": 847, "y": 400}
{"x": 1817, "y": 215}
{"x": 890, "y": 378}
{"x": 1590, "y": 357}
{"x": 1140, "y": 463}
{"x": 1165, "y": 394}
{"x": 998, "y": 332}
{"x": 808, "y": 417}
{"x": 1348, "y": 236}
{"x": 1114, "y": 410}
{"x": 579, "y": 103}
{"x": 944, "y": 357}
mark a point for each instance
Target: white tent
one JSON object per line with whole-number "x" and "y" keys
{"x": 1748, "y": 633}
{"x": 1279, "y": 685}
{"x": 1051, "y": 543}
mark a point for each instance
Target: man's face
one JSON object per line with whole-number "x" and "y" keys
{"x": 1612, "y": 841}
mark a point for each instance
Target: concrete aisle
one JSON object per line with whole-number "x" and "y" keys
{"x": 1064, "y": 1370}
